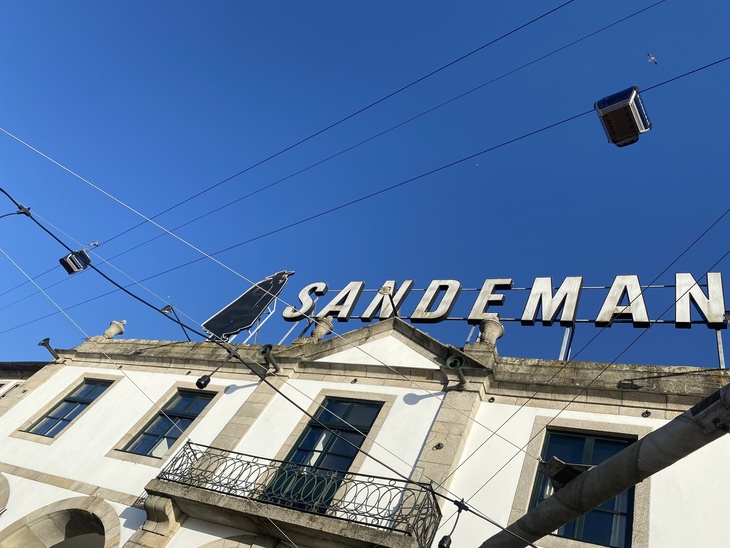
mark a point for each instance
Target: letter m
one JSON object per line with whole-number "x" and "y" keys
{"x": 541, "y": 297}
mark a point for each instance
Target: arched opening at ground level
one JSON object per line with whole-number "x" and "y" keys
{"x": 79, "y": 522}
{"x": 90, "y": 540}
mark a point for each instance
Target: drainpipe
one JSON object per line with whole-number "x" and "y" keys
{"x": 695, "y": 428}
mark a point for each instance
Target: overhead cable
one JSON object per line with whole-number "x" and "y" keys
{"x": 360, "y": 199}
{"x": 343, "y": 151}
{"x": 377, "y": 135}
{"x": 119, "y": 368}
{"x": 233, "y": 354}
{"x": 383, "y": 190}
{"x": 410, "y": 180}
{"x": 194, "y": 330}
{"x": 573, "y": 358}
{"x": 349, "y": 116}
{"x": 583, "y": 389}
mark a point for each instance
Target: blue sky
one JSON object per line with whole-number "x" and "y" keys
{"x": 151, "y": 103}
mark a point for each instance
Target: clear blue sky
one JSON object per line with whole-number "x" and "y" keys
{"x": 154, "y": 102}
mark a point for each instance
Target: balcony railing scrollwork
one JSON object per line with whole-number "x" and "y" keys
{"x": 390, "y": 504}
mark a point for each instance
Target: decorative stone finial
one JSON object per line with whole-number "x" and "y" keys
{"x": 322, "y": 327}
{"x": 115, "y": 328}
{"x": 490, "y": 330}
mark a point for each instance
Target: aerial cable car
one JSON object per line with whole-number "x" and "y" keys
{"x": 623, "y": 116}
{"x": 76, "y": 261}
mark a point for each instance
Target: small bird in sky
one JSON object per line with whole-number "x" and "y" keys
{"x": 652, "y": 59}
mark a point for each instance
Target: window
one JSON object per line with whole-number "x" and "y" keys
{"x": 321, "y": 457}
{"x": 167, "y": 426}
{"x": 610, "y": 523}
{"x": 69, "y": 408}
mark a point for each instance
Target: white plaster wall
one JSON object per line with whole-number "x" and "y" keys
{"x": 195, "y": 532}
{"x": 480, "y": 461}
{"x": 397, "y": 444}
{"x": 79, "y": 451}
{"x": 400, "y": 440}
{"x": 386, "y": 352}
{"x": 280, "y": 417}
{"x": 498, "y": 461}
{"x": 26, "y": 496}
{"x": 130, "y": 519}
{"x": 689, "y": 499}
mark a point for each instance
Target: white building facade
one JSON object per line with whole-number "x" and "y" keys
{"x": 366, "y": 439}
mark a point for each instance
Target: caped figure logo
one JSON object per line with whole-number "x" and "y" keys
{"x": 245, "y": 310}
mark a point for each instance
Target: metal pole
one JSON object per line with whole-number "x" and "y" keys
{"x": 289, "y": 332}
{"x": 720, "y": 351}
{"x": 567, "y": 343}
{"x": 471, "y": 332}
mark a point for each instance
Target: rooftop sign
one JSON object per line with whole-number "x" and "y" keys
{"x": 247, "y": 309}
{"x": 624, "y": 302}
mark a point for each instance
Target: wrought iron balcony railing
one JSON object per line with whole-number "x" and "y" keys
{"x": 391, "y": 504}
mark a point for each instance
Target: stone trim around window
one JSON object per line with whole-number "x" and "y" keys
{"x": 386, "y": 399}
{"x": 640, "y": 526}
{"x": 118, "y": 451}
{"x": 23, "y": 433}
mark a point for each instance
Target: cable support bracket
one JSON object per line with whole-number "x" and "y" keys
{"x": 461, "y": 505}
{"x": 233, "y": 353}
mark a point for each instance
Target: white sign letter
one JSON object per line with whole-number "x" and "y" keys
{"x": 541, "y": 296}
{"x": 422, "y": 312}
{"x": 711, "y": 307}
{"x": 292, "y": 314}
{"x": 385, "y": 301}
{"x": 486, "y": 297}
{"x": 635, "y": 310}
{"x": 344, "y": 302}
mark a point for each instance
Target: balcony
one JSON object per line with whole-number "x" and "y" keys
{"x": 317, "y": 506}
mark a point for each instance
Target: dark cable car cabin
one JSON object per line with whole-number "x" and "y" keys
{"x": 623, "y": 116}
{"x": 75, "y": 262}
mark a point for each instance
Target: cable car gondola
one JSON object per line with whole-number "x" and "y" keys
{"x": 76, "y": 261}
{"x": 623, "y": 116}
